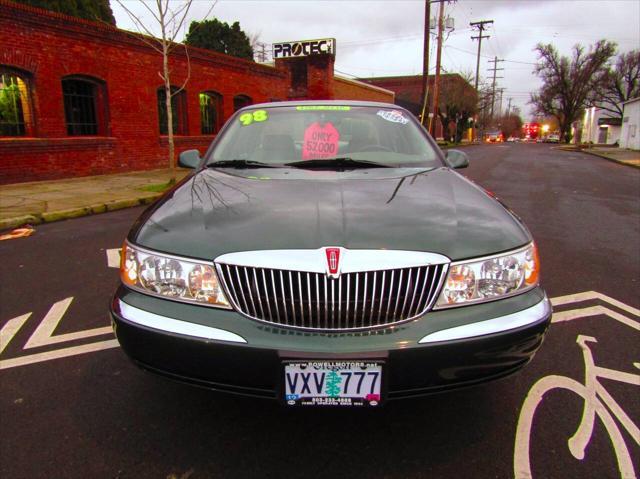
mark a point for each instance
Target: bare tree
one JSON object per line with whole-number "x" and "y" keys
{"x": 568, "y": 82}
{"x": 618, "y": 84}
{"x": 170, "y": 21}
{"x": 485, "y": 97}
{"x": 457, "y": 103}
{"x": 510, "y": 125}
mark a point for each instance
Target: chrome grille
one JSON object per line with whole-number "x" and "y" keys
{"x": 310, "y": 300}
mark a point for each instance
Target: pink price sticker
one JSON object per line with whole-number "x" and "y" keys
{"x": 320, "y": 141}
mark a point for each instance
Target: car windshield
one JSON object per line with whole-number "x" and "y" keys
{"x": 344, "y": 136}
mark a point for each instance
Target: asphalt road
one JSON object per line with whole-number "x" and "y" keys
{"x": 96, "y": 415}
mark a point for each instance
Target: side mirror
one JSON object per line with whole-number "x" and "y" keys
{"x": 189, "y": 159}
{"x": 457, "y": 158}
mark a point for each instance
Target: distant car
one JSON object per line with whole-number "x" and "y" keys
{"x": 512, "y": 139}
{"x": 328, "y": 254}
{"x": 493, "y": 138}
{"x": 553, "y": 139}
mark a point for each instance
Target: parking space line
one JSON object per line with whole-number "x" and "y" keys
{"x": 589, "y": 295}
{"x": 58, "y": 353}
{"x": 10, "y": 329}
{"x": 593, "y": 311}
{"x": 43, "y": 335}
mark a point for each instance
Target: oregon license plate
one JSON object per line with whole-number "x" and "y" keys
{"x": 333, "y": 383}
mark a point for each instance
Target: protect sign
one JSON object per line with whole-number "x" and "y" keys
{"x": 304, "y": 48}
{"x": 320, "y": 141}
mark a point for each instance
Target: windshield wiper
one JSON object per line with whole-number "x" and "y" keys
{"x": 336, "y": 162}
{"x": 237, "y": 163}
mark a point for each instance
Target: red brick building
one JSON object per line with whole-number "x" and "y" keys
{"x": 83, "y": 98}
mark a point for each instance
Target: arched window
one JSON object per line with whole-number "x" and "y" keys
{"x": 210, "y": 112}
{"x": 15, "y": 103}
{"x": 178, "y": 111}
{"x": 240, "y": 101}
{"x": 85, "y": 106}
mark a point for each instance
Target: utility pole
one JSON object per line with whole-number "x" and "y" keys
{"x": 500, "y": 91}
{"x": 509, "y": 107}
{"x": 436, "y": 86}
{"x": 480, "y": 26}
{"x": 493, "y": 88}
{"x": 425, "y": 60}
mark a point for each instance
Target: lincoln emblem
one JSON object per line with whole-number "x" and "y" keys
{"x": 333, "y": 261}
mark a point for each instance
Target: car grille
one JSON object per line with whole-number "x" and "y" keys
{"x": 315, "y": 301}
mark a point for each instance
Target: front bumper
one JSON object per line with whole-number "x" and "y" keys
{"x": 222, "y": 350}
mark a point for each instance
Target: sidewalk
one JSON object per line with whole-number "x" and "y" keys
{"x": 45, "y": 201}
{"x": 619, "y": 155}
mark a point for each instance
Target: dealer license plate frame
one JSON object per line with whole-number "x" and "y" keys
{"x": 343, "y": 367}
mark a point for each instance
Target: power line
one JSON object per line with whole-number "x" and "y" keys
{"x": 497, "y": 39}
{"x": 488, "y": 56}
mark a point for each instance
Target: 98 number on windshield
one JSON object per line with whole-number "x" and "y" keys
{"x": 256, "y": 116}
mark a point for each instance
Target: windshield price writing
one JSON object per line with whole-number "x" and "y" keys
{"x": 320, "y": 141}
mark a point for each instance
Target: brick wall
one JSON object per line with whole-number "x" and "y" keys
{"x": 45, "y": 47}
{"x": 345, "y": 89}
{"x": 408, "y": 89}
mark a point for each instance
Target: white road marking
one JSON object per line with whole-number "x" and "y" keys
{"x": 588, "y": 295}
{"x": 43, "y": 335}
{"x": 58, "y": 353}
{"x": 113, "y": 257}
{"x": 593, "y": 311}
{"x": 10, "y": 329}
{"x": 594, "y": 394}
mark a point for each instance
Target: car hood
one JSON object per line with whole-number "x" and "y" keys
{"x": 214, "y": 212}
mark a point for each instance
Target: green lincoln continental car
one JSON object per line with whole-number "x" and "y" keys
{"x": 328, "y": 254}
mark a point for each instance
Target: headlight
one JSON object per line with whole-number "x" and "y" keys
{"x": 490, "y": 278}
{"x": 171, "y": 277}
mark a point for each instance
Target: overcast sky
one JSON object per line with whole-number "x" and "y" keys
{"x": 384, "y": 38}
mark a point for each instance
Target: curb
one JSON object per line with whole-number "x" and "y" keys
{"x": 50, "y": 216}
{"x": 620, "y": 162}
{"x": 461, "y": 145}
{"x": 594, "y": 153}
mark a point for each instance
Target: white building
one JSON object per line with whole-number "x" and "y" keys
{"x": 598, "y": 127}
{"x": 630, "y": 134}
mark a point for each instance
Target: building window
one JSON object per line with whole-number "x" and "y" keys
{"x": 84, "y": 106}
{"x": 178, "y": 111}
{"x": 240, "y": 101}
{"x": 15, "y": 108}
{"x": 210, "y": 112}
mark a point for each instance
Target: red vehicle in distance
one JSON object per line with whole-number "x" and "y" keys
{"x": 531, "y": 131}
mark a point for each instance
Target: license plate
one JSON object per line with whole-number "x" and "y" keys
{"x": 333, "y": 383}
